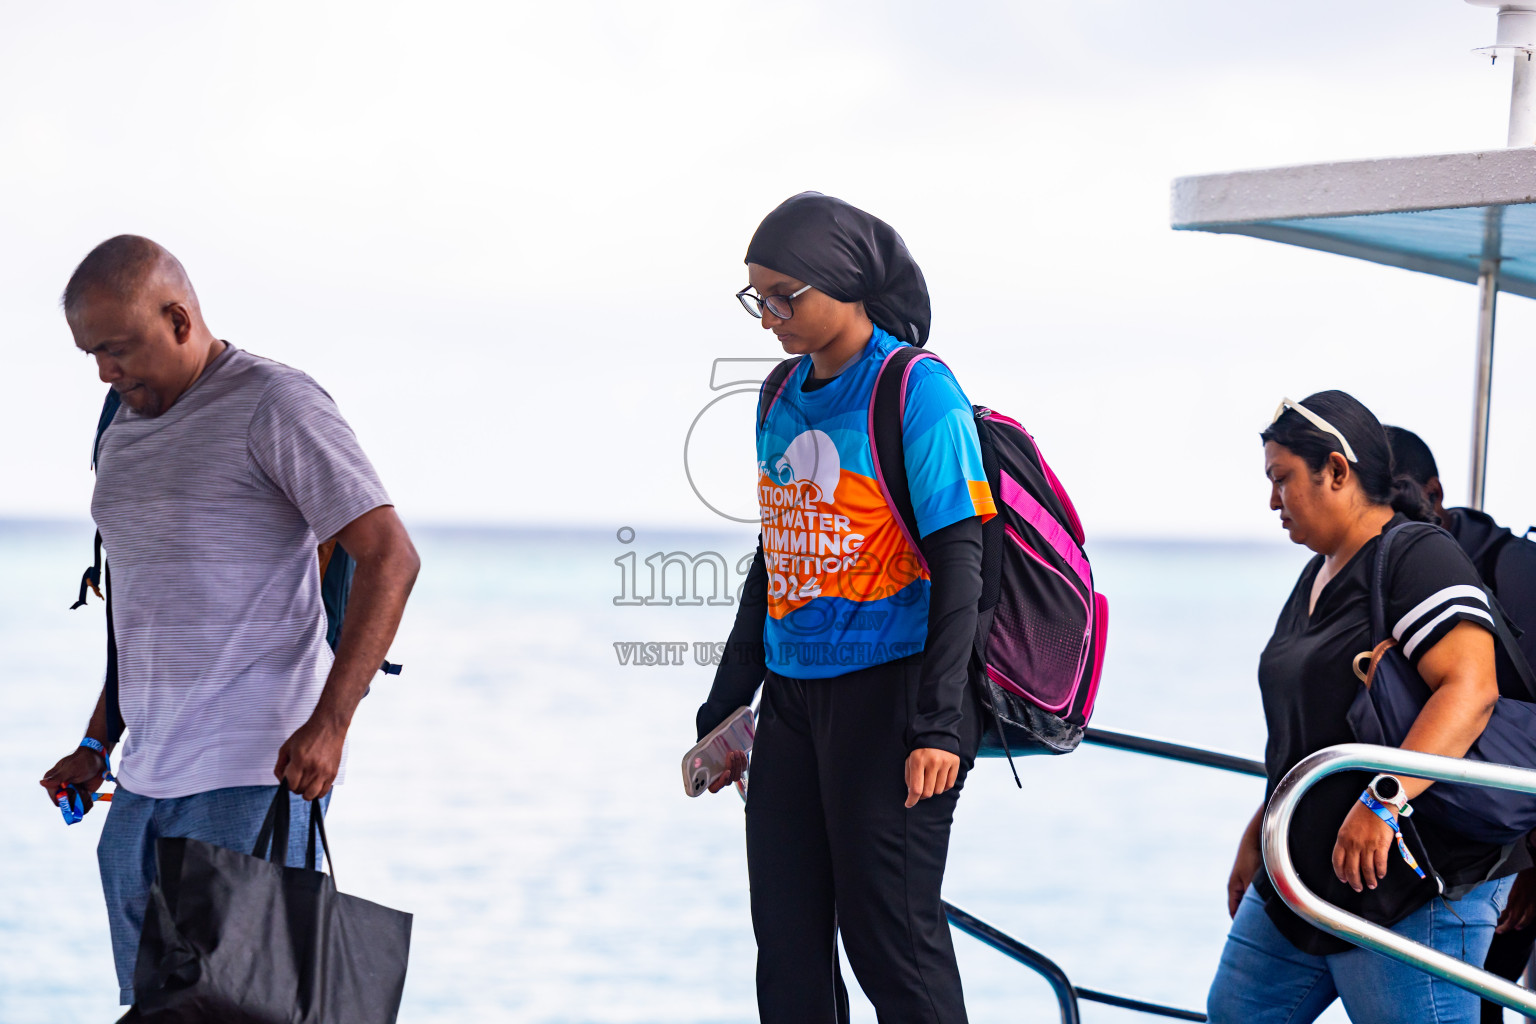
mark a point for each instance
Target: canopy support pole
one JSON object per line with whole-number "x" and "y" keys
{"x": 1482, "y": 394}
{"x": 1522, "y": 101}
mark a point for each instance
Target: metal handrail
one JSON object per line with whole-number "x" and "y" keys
{"x": 1173, "y": 751}
{"x": 1066, "y": 993}
{"x": 1061, "y": 985}
{"x": 1319, "y": 912}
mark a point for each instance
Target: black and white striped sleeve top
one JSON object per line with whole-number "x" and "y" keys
{"x": 1432, "y": 586}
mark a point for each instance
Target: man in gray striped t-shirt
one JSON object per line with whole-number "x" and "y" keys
{"x": 218, "y": 479}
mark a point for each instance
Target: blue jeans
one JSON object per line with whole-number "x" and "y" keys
{"x": 1263, "y": 979}
{"x": 126, "y": 853}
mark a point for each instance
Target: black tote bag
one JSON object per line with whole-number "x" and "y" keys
{"x": 1393, "y": 694}
{"x": 236, "y": 939}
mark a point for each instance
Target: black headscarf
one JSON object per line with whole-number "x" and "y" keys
{"x": 850, "y": 255}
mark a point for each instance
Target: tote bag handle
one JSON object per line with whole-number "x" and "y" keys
{"x": 272, "y": 840}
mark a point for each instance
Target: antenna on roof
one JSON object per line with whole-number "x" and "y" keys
{"x": 1517, "y": 39}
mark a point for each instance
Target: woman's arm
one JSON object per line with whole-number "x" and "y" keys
{"x": 745, "y": 660}
{"x": 1248, "y": 863}
{"x": 954, "y": 569}
{"x": 953, "y": 554}
{"x": 1459, "y": 670}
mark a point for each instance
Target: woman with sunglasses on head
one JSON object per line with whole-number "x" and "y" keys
{"x": 867, "y": 726}
{"x": 1332, "y": 481}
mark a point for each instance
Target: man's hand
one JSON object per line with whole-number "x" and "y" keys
{"x": 82, "y": 768}
{"x": 311, "y": 758}
{"x": 386, "y": 569}
{"x": 1360, "y": 855}
{"x": 929, "y": 773}
{"x": 1521, "y": 909}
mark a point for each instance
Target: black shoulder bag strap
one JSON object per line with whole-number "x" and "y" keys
{"x": 1379, "y": 582}
{"x": 1379, "y": 633}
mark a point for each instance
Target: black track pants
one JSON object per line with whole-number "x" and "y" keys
{"x": 830, "y": 847}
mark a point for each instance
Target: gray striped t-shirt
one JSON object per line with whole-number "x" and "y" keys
{"x": 210, "y": 515}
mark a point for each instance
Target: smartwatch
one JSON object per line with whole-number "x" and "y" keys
{"x": 1389, "y": 791}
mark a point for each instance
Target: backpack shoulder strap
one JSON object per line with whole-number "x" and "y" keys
{"x": 992, "y": 529}
{"x": 773, "y": 387}
{"x": 98, "y": 578}
{"x": 887, "y": 410}
{"x": 108, "y": 412}
{"x": 1488, "y": 566}
{"x": 90, "y": 582}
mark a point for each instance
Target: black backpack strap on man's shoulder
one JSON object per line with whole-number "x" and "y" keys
{"x": 773, "y": 388}
{"x": 108, "y": 413}
{"x": 98, "y": 578}
{"x": 90, "y": 582}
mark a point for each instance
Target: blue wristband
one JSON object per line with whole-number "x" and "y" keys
{"x": 106, "y": 759}
{"x": 1380, "y": 810}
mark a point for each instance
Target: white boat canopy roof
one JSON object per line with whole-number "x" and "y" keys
{"x": 1443, "y": 215}
{"x": 1466, "y": 216}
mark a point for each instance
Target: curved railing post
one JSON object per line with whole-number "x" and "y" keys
{"x": 1319, "y": 912}
{"x": 1061, "y": 985}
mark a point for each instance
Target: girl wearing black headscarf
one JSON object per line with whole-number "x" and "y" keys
{"x": 867, "y": 726}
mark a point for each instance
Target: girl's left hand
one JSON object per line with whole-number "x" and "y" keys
{"x": 929, "y": 773}
{"x": 1360, "y": 855}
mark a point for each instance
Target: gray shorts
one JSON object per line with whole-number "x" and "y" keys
{"x": 225, "y": 817}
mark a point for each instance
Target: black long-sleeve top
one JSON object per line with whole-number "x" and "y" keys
{"x": 954, "y": 568}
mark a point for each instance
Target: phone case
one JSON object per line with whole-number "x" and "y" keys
{"x": 710, "y": 757}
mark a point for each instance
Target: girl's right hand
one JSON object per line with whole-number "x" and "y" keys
{"x": 1250, "y": 859}
{"x": 736, "y": 767}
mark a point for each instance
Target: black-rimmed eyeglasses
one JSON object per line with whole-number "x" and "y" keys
{"x": 779, "y": 305}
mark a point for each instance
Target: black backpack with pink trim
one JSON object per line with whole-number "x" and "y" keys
{"x": 1040, "y": 636}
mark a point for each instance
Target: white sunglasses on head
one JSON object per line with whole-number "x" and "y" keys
{"x": 1317, "y": 421}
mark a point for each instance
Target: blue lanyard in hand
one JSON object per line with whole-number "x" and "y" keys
{"x": 1380, "y": 810}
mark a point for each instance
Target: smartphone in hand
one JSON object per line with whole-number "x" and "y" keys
{"x": 710, "y": 758}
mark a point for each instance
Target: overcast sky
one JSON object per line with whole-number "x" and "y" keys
{"x": 505, "y": 236}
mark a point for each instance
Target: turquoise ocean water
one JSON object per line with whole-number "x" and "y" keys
{"x": 518, "y": 789}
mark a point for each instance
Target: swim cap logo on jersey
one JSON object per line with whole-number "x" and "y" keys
{"x": 811, "y": 465}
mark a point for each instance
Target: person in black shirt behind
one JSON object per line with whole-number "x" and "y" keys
{"x": 1331, "y": 479}
{"x": 1505, "y": 560}
{"x": 1507, "y": 564}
